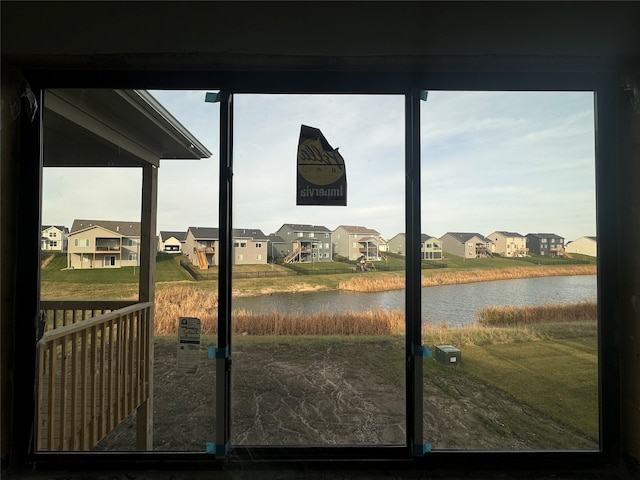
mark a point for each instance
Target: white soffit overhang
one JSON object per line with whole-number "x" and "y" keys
{"x": 112, "y": 128}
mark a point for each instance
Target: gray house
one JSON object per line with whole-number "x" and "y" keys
{"x": 305, "y": 243}
{"x": 545, "y": 244}
{"x": 276, "y": 247}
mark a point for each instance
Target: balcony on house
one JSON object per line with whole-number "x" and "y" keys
{"x": 206, "y": 247}
{"x": 107, "y": 244}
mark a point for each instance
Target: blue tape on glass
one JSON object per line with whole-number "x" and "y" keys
{"x": 218, "y": 352}
{"x": 420, "y": 449}
{"x": 212, "y": 97}
{"x": 218, "y": 450}
{"x": 421, "y": 351}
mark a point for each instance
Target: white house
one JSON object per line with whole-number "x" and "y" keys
{"x": 54, "y": 238}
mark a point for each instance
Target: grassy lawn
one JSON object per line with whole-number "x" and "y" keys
{"x": 168, "y": 268}
{"x": 556, "y": 377}
{"x": 489, "y": 263}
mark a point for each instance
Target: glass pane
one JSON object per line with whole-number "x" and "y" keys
{"x": 318, "y": 300}
{"x": 96, "y": 380}
{"x": 509, "y": 311}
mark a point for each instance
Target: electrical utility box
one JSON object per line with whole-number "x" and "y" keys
{"x": 448, "y": 355}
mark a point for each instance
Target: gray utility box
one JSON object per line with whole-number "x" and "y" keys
{"x": 448, "y": 355}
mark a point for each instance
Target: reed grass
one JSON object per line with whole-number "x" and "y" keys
{"x": 496, "y": 324}
{"x": 430, "y": 278}
{"x": 513, "y": 316}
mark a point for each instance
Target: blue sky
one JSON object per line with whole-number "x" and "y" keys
{"x": 515, "y": 161}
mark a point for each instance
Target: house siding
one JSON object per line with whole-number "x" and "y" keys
{"x": 508, "y": 244}
{"x": 545, "y": 244}
{"x": 54, "y": 238}
{"x": 430, "y": 248}
{"x": 584, "y": 246}
{"x": 171, "y": 242}
{"x": 314, "y": 242}
{"x": 466, "y": 245}
{"x": 99, "y": 247}
{"x": 352, "y": 242}
{"x": 249, "y": 246}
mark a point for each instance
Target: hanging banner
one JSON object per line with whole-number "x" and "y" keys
{"x": 322, "y": 178}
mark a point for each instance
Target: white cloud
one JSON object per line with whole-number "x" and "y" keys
{"x": 521, "y": 161}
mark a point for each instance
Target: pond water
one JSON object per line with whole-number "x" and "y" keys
{"x": 451, "y": 304}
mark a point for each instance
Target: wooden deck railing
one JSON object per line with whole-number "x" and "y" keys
{"x": 92, "y": 373}
{"x": 60, "y": 313}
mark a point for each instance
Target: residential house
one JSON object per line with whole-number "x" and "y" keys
{"x": 249, "y": 246}
{"x": 466, "y": 244}
{"x": 103, "y": 244}
{"x": 353, "y": 242}
{"x": 275, "y": 247}
{"x": 508, "y": 244}
{"x": 171, "y": 242}
{"x": 54, "y": 238}
{"x": 430, "y": 247}
{"x": 545, "y": 244}
{"x": 305, "y": 243}
{"x": 202, "y": 246}
{"x": 584, "y": 246}
{"x": 397, "y": 244}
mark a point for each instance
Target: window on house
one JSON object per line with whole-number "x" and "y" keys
{"x": 258, "y": 245}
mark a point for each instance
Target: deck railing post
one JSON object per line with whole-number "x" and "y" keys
{"x": 92, "y": 374}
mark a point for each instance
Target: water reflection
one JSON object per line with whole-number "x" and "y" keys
{"x": 449, "y": 304}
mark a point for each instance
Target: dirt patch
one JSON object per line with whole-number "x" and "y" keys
{"x": 46, "y": 261}
{"x": 335, "y": 393}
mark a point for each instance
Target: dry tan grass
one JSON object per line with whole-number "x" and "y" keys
{"x": 512, "y": 315}
{"x": 174, "y": 302}
{"x": 378, "y": 284}
{"x": 182, "y": 301}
